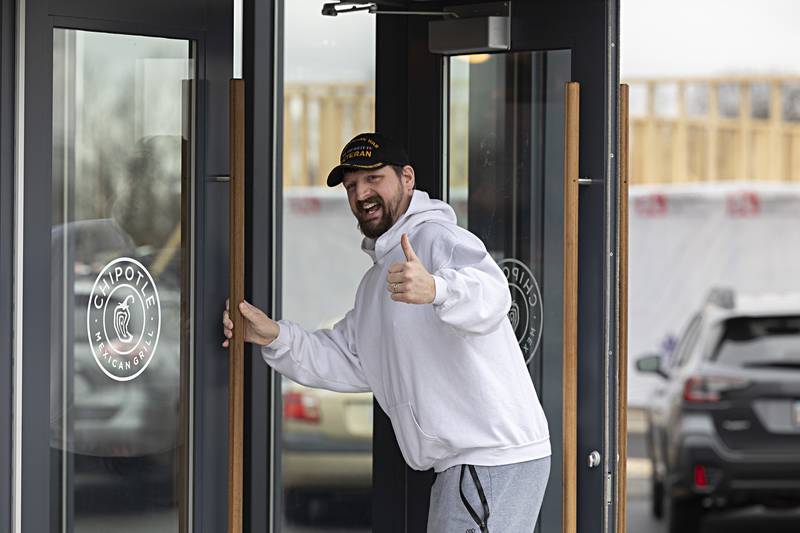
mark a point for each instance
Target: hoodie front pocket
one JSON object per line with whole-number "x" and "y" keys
{"x": 420, "y": 450}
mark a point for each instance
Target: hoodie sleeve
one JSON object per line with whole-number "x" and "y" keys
{"x": 472, "y": 293}
{"x": 324, "y": 358}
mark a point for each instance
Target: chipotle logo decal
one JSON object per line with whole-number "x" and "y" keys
{"x": 526, "y": 306}
{"x": 123, "y": 319}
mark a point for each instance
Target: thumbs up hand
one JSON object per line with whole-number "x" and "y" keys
{"x": 408, "y": 281}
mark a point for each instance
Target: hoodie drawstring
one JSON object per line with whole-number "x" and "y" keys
{"x": 482, "y": 522}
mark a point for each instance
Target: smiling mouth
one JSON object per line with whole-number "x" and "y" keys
{"x": 370, "y": 210}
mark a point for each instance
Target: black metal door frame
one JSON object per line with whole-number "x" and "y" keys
{"x": 7, "y": 93}
{"x": 210, "y": 25}
{"x": 410, "y": 106}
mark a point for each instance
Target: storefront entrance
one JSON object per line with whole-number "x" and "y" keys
{"x": 119, "y": 267}
{"x": 121, "y": 212}
{"x": 506, "y": 107}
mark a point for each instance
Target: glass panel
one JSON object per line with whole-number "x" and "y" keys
{"x": 326, "y": 453}
{"x": 119, "y": 348}
{"x": 506, "y": 182}
{"x": 506, "y": 145}
{"x": 762, "y": 342}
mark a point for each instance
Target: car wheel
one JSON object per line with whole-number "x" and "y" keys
{"x": 684, "y": 515}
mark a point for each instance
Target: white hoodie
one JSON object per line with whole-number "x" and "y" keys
{"x": 450, "y": 375}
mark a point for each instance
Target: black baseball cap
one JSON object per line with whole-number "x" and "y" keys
{"x": 368, "y": 150}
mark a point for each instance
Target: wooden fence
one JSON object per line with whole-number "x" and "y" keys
{"x": 716, "y": 129}
{"x": 318, "y": 120}
{"x": 681, "y": 130}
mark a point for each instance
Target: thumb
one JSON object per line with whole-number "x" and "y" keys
{"x": 410, "y": 255}
{"x": 247, "y": 310}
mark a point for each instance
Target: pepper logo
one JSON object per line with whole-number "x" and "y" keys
{"x": 526, "y": 313}
{"x": 123, "y": 319}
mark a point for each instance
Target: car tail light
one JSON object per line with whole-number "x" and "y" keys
{"x": 708, "y": 388}
{"x": 300, "y": 406}
{"x": 700, "y": 477}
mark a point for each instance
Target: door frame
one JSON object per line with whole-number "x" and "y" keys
{"x": 410, "y": 106}
{"x": 262, "y": 70}
{"x": 210, "y": 25}
{"x": 7, "y": 96}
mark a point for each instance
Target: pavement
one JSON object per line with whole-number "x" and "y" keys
{"x": 354, "y": 517}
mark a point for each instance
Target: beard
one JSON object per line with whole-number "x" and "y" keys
{"x": 375, "y": 227}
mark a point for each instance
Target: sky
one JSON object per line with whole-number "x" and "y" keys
{"x": 321, "y": 48}
{"x": 709, "y": 37}
{"x": 658, "y": 38}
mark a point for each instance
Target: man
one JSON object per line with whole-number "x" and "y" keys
{"x": 430, "y": 337}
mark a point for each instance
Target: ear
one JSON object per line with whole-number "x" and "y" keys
{"x": 409, "y": 178}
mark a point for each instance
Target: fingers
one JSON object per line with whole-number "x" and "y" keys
{"x": 227, "y": 324}
{"x": 397, "y": 267}
{"x": 249, "y": 312}
{"x": 398, "y": 277}
{"x": 407, "y": 250}
{"x": 402, "y": 297}
{"x": 397, "y": 288}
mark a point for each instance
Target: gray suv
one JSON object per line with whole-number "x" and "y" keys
{"x": 724, "y": 426}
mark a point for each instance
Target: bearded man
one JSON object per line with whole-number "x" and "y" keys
{"x": 430, "y": 338}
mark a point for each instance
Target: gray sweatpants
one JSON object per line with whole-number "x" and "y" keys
{"x": 513, "y": 493}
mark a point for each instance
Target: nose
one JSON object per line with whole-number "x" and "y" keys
{"x": 363, "y": 191}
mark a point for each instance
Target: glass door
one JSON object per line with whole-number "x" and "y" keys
{"x": 120, "y": 331}
{"x": 507, "y": 108}
{"x": 116, "y": 275}
{"x": 325, "y": 450}
{"x": 506, "y": 153}
{"x": 506, "y": 181}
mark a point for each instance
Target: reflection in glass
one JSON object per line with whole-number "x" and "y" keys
{"x": 326, "y": 452}
{"x": 505, "y": 147}
{"x": 326, "y": 445}
{"x": 118, "y": 342}
{"x": 506, "y": 156}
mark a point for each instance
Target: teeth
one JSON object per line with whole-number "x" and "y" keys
{"x": 369, "y": 206}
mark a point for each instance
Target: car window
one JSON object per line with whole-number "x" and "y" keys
{"x": 686, "y": 344}
{"x": 760, "y": 341}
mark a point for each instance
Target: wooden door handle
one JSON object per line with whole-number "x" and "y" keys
{"x": 236, "y": 295}
{"x": 622, "y": 310}
{"x": 570, "y": 327}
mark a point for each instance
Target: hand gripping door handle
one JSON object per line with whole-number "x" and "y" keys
{"x": 236, "y": 295}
